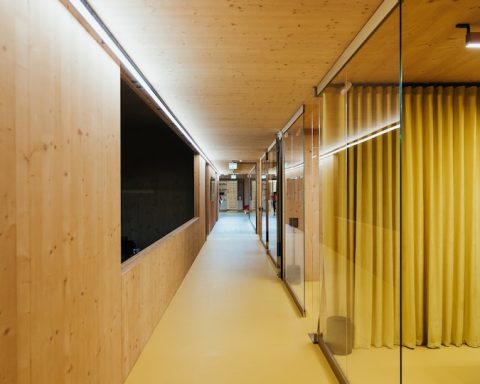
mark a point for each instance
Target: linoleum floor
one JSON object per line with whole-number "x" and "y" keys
{"x": 231, "y": 321}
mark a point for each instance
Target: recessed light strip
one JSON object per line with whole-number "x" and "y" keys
{"x": 93, "y": 20}
{"x": 358, "y": 141}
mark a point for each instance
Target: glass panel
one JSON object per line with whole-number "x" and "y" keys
{"x": 272, "y": 203}
{"x": 311, "y": 120}
{"x": 264, "y": 201}
{"x": 293, "y": 211}
{"x": 223, "y": 195}
{"x": 360, "y": 211}
{"x": 441, "y": 194}
{"x": 252, "y": 177}
{"x": 335, "y": 311}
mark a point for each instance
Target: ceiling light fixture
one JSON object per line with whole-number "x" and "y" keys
{"x": 472, "y": 39}
{"x": 93, "y": 21}
{"x": 232, "y": 165}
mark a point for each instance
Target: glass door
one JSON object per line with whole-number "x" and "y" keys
{"x": 263, "y": 208}
{"x": 360, "y": 192}
{"x": 272, "y": 203}
{"x": 252, "y": 213}
{"x": 441, "y": 192}
{"x": 293, "y": 211}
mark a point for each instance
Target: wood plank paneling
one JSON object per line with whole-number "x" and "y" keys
{"x": 200, "y": 192}
{"x": 234, "y": 72}
{"x": 8, "y": 281}
{"x": 149, "y": 282}
{"x": 68, "y": 198}
{"x": 151, "y": 278}
{"x": 211, "y": 197}
{"x": 61, "y": 283}
{"x": 433, "y": 50}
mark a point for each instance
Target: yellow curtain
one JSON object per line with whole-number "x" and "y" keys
{"x": 360, "y": 215}
{"x": 374, "y": 190}
{"x": 441, "y": 228}
{"x": 333, "y": 277}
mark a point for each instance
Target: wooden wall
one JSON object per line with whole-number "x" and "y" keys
{"x": 151, "y": 278}
{"x": 8, "y": 284}
{"x": 61, "y": 281}
{"x": 149, "y": 283}
{"x": 211, "y": 198}
{"x": 68, "y": 197}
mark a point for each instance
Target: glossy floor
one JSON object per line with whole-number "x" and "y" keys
{"x": 231, "y": 321}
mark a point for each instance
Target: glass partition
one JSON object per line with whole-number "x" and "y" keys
{"x": 252, "y": 213}
{"x": 293, "y": 211}
{"x": 272, "y": 203}
{"x": 263, "y": 209}
{"x": 359, "y": 171}
{"x": 399, "y": 204}
{"x": 441, "y": 193}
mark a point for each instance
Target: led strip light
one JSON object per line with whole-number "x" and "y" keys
{"x": 93, "y": 21}
{"x": 358, "y": 141}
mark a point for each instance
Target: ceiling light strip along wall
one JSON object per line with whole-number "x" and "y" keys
{"x": 90, "y": 17}
{"x": 372, "y": 24}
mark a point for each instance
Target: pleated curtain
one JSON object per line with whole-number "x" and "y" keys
{"x": 374, "y": 220}
{"x": 360, "y": 219}
{"x": 439, "y": 189}
{"x": 441, "y": 228}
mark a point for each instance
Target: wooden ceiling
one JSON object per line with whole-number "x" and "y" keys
{"x": 433, "y": 49}
{"x": 234, "y": 71}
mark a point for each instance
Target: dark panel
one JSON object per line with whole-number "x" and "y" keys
{"x": 157, "y": 176}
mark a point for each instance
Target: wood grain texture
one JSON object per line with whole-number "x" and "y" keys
{"x": 149, "y": 282}
{"x": 211, "y": 197}
{"x": 433, "y": 50}
{"x": 68, "y": 198}
{"x": 207, "y": 59}
{"x": 151, "y": 278}
{"x": 200, "y": 190}
{"x": 61, "y": 282}
{"x": 8, "y": 281}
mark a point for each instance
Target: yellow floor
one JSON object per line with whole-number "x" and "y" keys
{"x": 231, "y": 321}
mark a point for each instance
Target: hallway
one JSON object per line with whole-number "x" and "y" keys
{"x": 231, "y": 321}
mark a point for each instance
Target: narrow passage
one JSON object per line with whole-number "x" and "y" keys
{"x": 231, "y": 321}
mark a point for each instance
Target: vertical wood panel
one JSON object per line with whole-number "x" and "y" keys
{"x": 207, "y": 199}
{"x": 201, "y": 198}
{"x": 149, "y": 282}
{"x": 151, "y": 278}
{"x": 68, "y": 125}
{"x": 8, "y": 307}
{"x": 60, "y": 211}
{"x": 211, "y": 204}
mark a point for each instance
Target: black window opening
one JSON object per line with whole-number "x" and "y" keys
{"x": 157, "y": 176}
